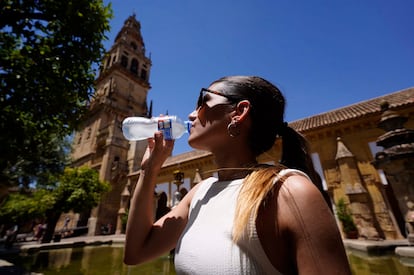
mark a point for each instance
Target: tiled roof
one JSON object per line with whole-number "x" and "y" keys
{"x": 371, "y": 106}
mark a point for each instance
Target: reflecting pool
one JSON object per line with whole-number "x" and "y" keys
{"x": 89, "y": 260}
{"x": 108, "y": 260}
{"x": 388, "y": 264}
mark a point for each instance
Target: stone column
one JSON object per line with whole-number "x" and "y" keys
{"x": 397, "y": 162}
{"x": 178, "y": 180}
{"x": 360, "y": 201}
{"x": 122, "y": 209}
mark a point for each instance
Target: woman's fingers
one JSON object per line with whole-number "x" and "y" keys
{"x": 158, "y": 150}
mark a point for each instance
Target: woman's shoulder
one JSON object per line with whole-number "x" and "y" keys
{"x": 301, "y": 206}
{"x": 298, "y": 185}
{"x": 298, "y": 192}
{"x": 285, "y": 173}
{"x": 299, "y": 197}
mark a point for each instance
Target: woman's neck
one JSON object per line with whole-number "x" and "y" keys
{"x": 227, "y": 174}
{"x": 235, "y": 170}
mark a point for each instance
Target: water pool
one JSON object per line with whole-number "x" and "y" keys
{"x": 108, "y": 260}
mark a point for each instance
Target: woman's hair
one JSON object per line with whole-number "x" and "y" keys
{"x": 267, "y": 108}
{"x": 267, "y": 116}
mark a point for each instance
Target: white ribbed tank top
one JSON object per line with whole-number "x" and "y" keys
{"x": 206, "y": 245}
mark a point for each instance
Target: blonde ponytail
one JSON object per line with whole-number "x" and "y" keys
{"x": 256, "y": 188}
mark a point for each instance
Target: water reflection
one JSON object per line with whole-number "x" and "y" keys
{"x": 389, "y": 264}
{"x": 89, "y": 261}
{"x": 108, "y": 260}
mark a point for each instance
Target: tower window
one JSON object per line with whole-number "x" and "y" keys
{"x": 133, "y": 45}
{"x": 88, "y": 136}
{"x": 143, "y": 74}
{"x": 80, "y": 138}
{"x": 124, "y": 61}
{"x": 115, "y": 163}
{"x": 134, "y": 66}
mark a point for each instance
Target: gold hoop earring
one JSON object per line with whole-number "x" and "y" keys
{"x": 233, "y": 129}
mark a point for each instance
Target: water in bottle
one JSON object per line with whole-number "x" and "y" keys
{"x": 139, "y": 128}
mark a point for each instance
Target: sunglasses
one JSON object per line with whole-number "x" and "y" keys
{"x": 202, "y": 98}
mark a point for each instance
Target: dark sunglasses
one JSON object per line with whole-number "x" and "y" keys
{"x": 201, "y": 98}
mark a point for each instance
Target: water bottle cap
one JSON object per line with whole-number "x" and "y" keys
{"x": 188, "y": 125}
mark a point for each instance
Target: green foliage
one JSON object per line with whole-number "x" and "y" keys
{"x": 345, "y": 217}
{"x": 48, "y": 52}
{"x": 78, "y": 189}
{"x": 124, "y": 219}
{"x": 21, "y": 207}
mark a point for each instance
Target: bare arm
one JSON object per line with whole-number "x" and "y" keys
{"x": 146, "y": 240}
{"x": 318, "y": 247}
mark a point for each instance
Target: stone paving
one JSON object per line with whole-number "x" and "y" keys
{"x": 382, "y": 246}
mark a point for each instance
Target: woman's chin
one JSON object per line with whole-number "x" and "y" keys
{"x": 195, "y": 145}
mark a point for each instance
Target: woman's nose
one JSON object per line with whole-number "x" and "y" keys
{"x": 193, "y": 115}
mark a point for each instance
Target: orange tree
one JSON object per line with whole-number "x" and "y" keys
{"x": 78, "y": 189}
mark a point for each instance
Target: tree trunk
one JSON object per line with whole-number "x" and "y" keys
{"x": 51, "y": 221}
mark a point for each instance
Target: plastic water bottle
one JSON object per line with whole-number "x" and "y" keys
{"x": 139, "y": 128}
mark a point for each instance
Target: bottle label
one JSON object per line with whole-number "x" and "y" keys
{"x": 165, "y": 125}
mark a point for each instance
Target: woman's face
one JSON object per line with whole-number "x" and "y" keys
{"x": 210, "y": 120}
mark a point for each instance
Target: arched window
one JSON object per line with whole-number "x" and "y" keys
{"x": 124, "y": 61}
{"x": 88, "y": 136}
{"x": 108, "y": 62}
{"x": 143, "y": 74}
{"x": 134, "y": 46}
{"x": 134, "y": 66}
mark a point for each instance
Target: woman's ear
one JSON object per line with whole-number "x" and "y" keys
{"x": 242, "y": 110}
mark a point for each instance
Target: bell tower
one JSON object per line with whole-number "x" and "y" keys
{"x": 121, "y": 90}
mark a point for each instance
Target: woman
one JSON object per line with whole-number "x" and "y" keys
{"x": 253, "y": 219}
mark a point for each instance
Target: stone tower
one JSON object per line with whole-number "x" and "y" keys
{"x": 121, "y": 91}
{"x": 397, "y": 162}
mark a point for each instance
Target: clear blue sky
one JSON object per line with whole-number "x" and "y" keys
{"x": 322, "y": 54}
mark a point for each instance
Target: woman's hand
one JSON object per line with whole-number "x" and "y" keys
{"x": 158, "y": 150}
